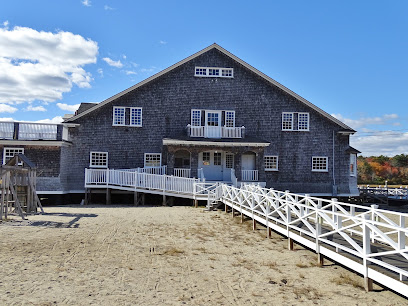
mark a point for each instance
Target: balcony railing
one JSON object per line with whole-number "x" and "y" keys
{"x": 32, "y": 131}
{"x": 216, "y": 132}
{"x": 182, "y": 172}
{"x": 249, "y": 175}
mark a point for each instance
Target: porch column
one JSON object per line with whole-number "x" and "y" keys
{"x": 194, "y": 162}
{"x": 170, "y": 160}
{"x": 238, "y": 164}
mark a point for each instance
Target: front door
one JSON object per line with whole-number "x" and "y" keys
{"x": 213, "y": 124}
{"x": 211, "y": 162}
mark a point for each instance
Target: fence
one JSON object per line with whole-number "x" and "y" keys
{"x": 374, "y": 238}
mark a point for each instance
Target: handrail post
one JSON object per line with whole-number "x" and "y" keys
{"x": 107, "y": 177}
{"x": 401, "y": 240}
{"x": 318, "y": 222}
{"x": 368, "y": 283}
{"x": 374, "y": 217}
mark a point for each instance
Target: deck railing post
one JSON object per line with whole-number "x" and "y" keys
{"x": 107, "y": 177}
{"x": 318, "y": 226}
{"x": 401, "y": 240}
{"x": 368, "y": 283}
{"x": 374, "y": 217}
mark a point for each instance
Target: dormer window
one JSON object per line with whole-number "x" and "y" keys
{"x": 214, "y": 72}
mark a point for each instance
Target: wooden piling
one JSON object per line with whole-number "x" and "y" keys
{"x": 290, "y": 244}
{"x": 254, "y": 224}
{"x": 320, "y": 259}
{"x": 195, "y": 203}
{"x": 368, "y": 284}
{"x": 108, "y": 196}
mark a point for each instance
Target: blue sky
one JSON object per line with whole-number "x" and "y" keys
{"x": 347, "y": 57}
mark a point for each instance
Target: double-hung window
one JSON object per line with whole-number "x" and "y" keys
{"x": 98, "y": 160}
{"x": 152, "y": 160}
{"x": 319, "y": 164}
{"x": 229, "y": 118}
{"x": 287, "y": 121}
{"x": 8, "y": 153}
{"x": 119, "y": 115}
{"x": 271, "y": 162}
{"x": 196, "y": 117}
{"x": 136, "y": 116}
{"x": 303, "y": 121}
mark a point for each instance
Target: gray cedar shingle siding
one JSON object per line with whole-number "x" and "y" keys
{"x": 167, "y": 102}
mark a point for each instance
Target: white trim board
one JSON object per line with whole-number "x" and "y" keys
{"x": 222, "y": 50}
{"x": 214, "y": 143}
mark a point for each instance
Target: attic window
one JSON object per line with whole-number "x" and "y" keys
{"x": 214, "y": 72}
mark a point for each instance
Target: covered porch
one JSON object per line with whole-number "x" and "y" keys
{"x": 216, "y": 160}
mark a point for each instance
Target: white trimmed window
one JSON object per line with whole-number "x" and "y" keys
{"x": 206, "y": 158}
{"x": 136, "y": 116}
{"x": 127, "y": 116}
{"x": 271, "y": 162}
{"x": 353, "y": 164}
{"x": 196, "y": 117}
{"x": 229, "y": 118}
{"x": 229, "y": 160}
{"x": 303, "y": 121}
{"x": 119, "y": 115}
{"x": 98, "y": 160}
{"x": 319, "y": 164}
{"x": 152, "y": 160}
{"x": 214, "y": 72}
{"x": 8, "y": 153}
{"x": 217, "y": 158}
{"x": 287, "y": 121}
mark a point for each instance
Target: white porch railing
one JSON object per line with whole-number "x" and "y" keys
{"x": 214, "y": 132}
{"x": 135, "y": 179}
{"x": 151, "y": 170}
{"x": 249, "y": 175}
{"x": 182, "y": 172}
{"x": 36, "y": 131}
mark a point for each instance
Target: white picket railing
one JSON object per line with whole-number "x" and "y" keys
{"x": 182, "y": 172}
{"x": 249, "y": 175}
{"x": 135, "y": 179}
{"x": 36, "y": 131}
{"x": 215, "y": 132}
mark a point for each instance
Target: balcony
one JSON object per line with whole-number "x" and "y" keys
{"x": 215, "y": 131}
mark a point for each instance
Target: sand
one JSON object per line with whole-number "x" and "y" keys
{"x": 118, "y": 255}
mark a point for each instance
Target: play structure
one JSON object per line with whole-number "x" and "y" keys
{"x": 18, "y": 188}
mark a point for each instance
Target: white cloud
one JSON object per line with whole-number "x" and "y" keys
{"x": 108, "y": 8}
{"x": 162, "y": 42}
{"x": 86, "y": 2}
{"x": 367, "y": 121}
{"x": 135, "y": 64}
{"x": 5, "y": 24}
{"x": 388, "y": 143}
{"x": 67, "y": 107}
{"x": 113, "y": 63}
{"x": 6, "y": 119}
{"x": 4, "y": 108}
{"x": 130, "y": 72}
{"x": 100, "y": 71}
{"x": 42, "y": 65}
{"x": 35, "y": 108}
{"x": 57, "y": 119}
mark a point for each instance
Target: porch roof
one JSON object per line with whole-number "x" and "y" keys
{"x": 216, "y": 142}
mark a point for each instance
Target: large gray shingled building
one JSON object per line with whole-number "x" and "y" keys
{"x": 203, "y": 116}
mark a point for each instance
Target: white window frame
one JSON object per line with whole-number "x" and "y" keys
{"x": 353, "y": 164}
{"x": 92, "y": 160}
{"x": 114, "y": 116}
{"x": 291, "y": 121}
{"x": 133, "y": 115}
{"x": 320, "y": 157}
{"x": 276, "y": 157}
{"x": 307, "y": 122}
{"x": 218, "y": 72}
{"x": 152, "y": 154}
{"x": 233, "y": 118}
{"x": 198, "y": 119}
{"x": 9, "y": 156}
{"x": 231, "y": 156}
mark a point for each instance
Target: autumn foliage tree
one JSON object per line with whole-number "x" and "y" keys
{"x": 378, "y": 169}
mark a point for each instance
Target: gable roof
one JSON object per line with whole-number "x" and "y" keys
{"x": 222, "y": 50}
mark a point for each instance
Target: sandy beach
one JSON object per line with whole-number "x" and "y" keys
{"x": 123, "y": 255}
